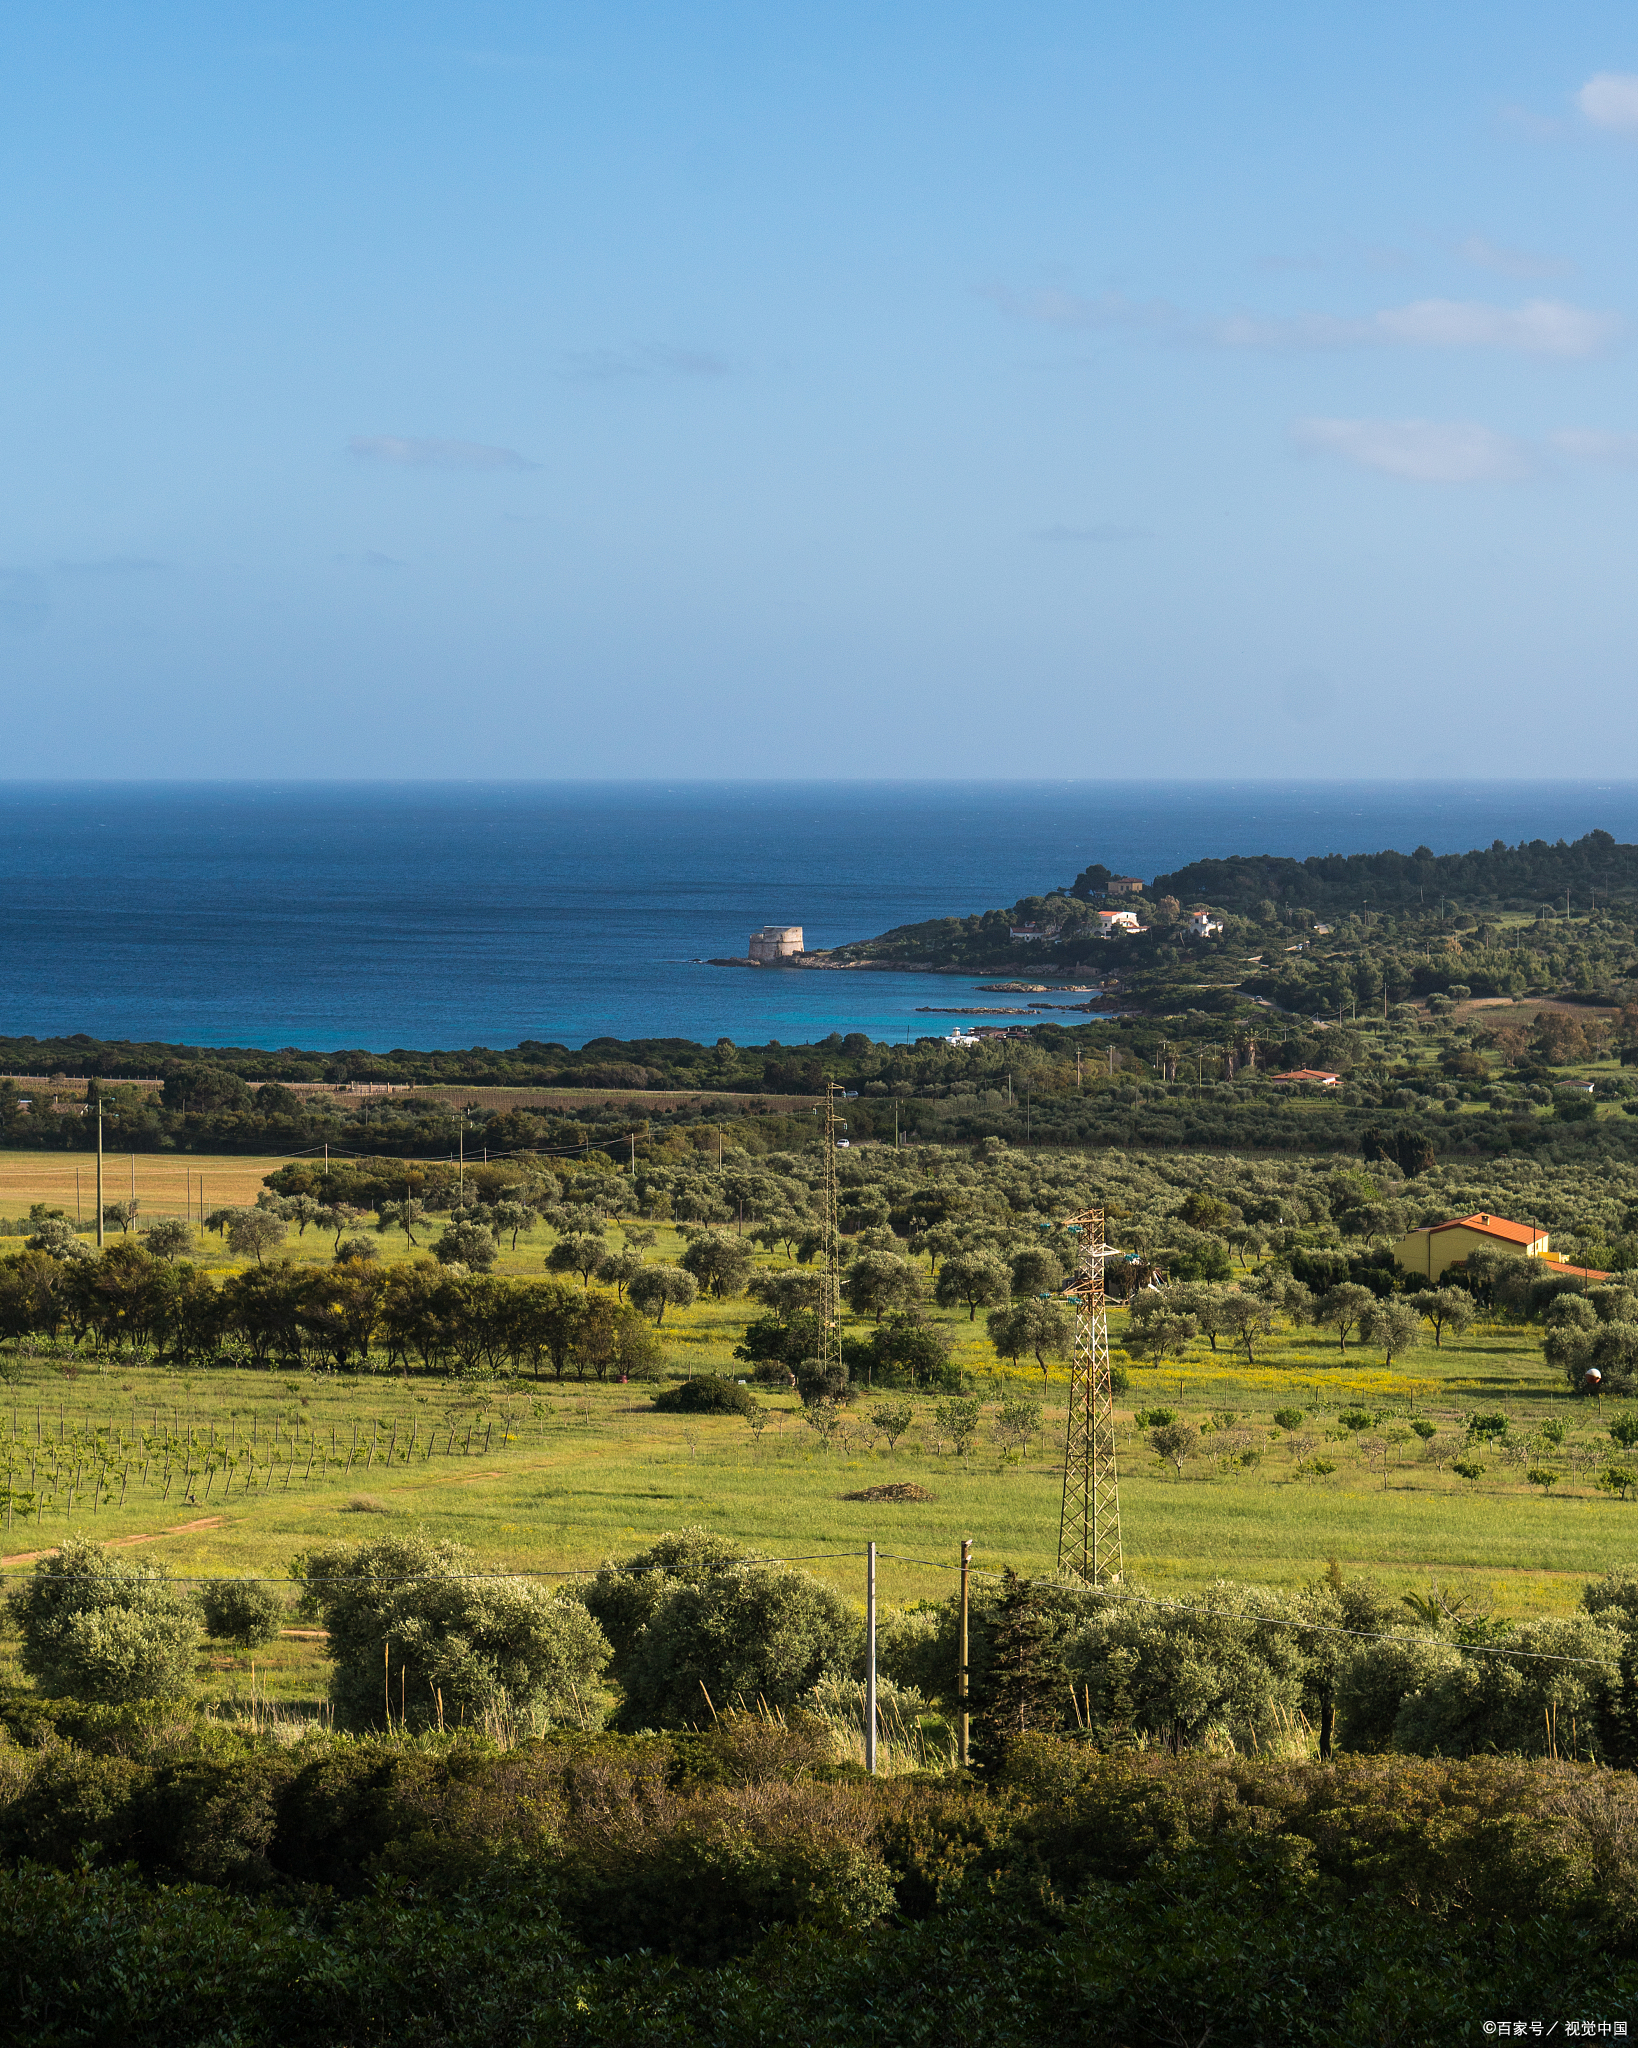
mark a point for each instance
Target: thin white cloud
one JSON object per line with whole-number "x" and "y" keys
{"x": 1484, "y": 254}
{"x": 1539, "y": 327}
{"x": 1593, "y": 445}
{"x": 402, "y": 452}
{"x": 1609, "y": 99}
{"x": 1420, "y": 451}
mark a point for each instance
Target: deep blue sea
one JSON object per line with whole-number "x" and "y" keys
{"x": 457, "y": 914}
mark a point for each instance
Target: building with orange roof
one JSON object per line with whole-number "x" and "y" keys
{"x": 1438, "y": 1246}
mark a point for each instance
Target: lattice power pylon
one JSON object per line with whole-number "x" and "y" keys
{"x": 1089, "y": 1531}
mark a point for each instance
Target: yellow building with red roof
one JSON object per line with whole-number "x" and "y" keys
{"x": 1436, "y": 1246}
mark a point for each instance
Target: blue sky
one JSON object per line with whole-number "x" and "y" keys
{"x": 764, "y": 389}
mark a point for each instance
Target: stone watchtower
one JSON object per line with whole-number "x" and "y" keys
{"x": 776, "y": 942}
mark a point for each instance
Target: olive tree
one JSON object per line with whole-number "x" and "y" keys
{"x": 1046, "y": 1328}
{"x": 582, "y": 1252}
{"x": 972, "y": 1280}
{"x": 1342, "y": 1306}
{"x": 657, "y": 1288}
{"x": 698, "y": 1627}
{"x": 244, "y": 1612}
{"x": 99, "y": 1626}
{"x": 418, "y": 1632}
{"x": 466, "y": 1244}
{"x": 169, "y": 1238}
{"x": 720, "y": 1263}
{"x": 1449, "y": 1308}
{"x": 253, "y": 1233}
{"x": 1395, "y": 1325}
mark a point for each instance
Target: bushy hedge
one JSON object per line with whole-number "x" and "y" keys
{"x": 706, "y": 1394}
{"x": 389, "y": 1890}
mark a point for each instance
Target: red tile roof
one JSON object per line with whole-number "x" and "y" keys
{"x": 1493, "y": 1226}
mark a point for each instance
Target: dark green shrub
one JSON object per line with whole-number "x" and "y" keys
{"x": 705, "y": 1394}
{"x": 75, "y": 1806}
{"x": 243, "y": 1612}
{"x": 98, "y": 1625}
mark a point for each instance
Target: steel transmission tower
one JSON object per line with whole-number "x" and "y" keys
{"x": 1089, "y": 1530}
{"x": 830, "y": 1297}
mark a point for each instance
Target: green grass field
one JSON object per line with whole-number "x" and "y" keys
{"x": 549, "y": 1477}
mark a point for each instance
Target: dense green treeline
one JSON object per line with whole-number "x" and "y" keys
{"x": 1499, "y": 876}
{"x": 1079, "y": 1899}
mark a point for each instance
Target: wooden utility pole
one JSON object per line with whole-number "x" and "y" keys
{"x": 99, "y": 1170}
{"x": 1089, "y": 1527}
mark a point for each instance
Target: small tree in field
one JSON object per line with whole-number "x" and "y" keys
{"x": 169, "y": 1238}
{"x": 253, "y": 1233}
{"x": 466, "y": 1244}
{"x": 242, "y": 1612}
{"x": 1173, "y": 1442}
{"x": 892, "y": 1418}
{"x": 582, "y": 1253}
{"x": 657, "y": 1288}
{"x": 1046, "y": 1328}
{"x": 1341, "y": 1308}
{"x": 98, "y": 1626}
{"x": 1017, "y": 1421}
{"x": 958, "y": 1420}
{"x": 1446, "y": 1308}
{"x": 1395, "y": 1325}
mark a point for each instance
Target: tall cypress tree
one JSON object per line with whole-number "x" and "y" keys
{"x": 1023, "y": 1681}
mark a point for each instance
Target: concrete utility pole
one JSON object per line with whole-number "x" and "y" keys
{"x": 962, "y": 1699}
{"x": 870, "y": 1658}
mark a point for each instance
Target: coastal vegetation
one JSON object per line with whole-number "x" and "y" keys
{"x": 1474, "y": 1006}
{"x": 434, "y": 1563}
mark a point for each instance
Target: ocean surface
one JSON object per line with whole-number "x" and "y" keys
{"x": 424, "y": 915}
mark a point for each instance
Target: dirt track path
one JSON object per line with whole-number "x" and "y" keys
{"x": 119, "y": 1542}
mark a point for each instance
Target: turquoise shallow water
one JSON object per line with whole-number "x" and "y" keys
{"x": 423, "y": 915}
